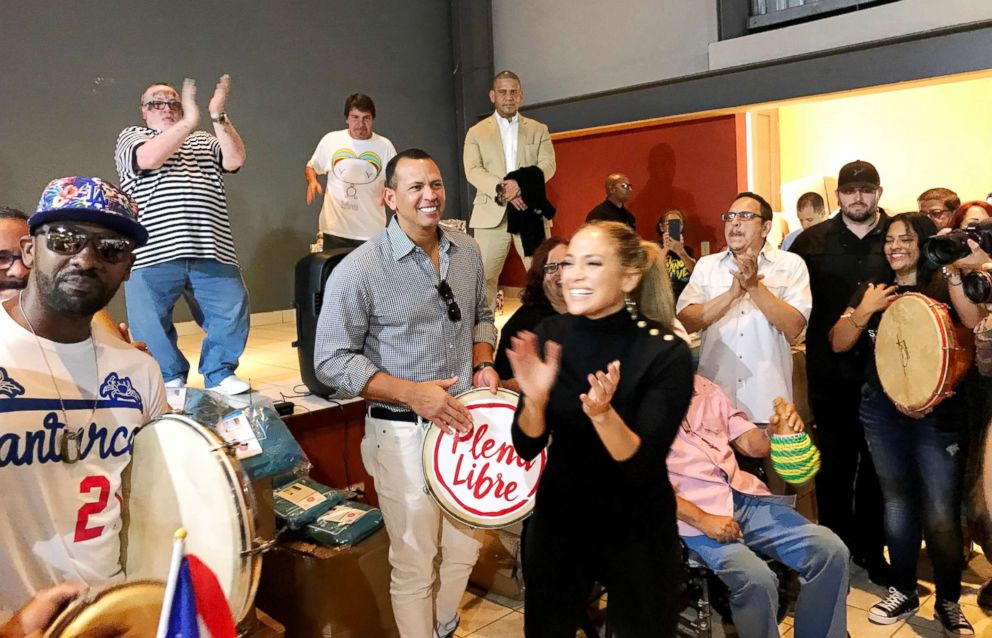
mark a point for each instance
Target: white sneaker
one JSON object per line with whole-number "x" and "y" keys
{"x": 231, "y": 385}
{"x": 176, "y": 383}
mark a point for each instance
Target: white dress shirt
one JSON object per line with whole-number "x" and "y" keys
{"x": 508, "y": 130}
{"x": 743, "y": 352}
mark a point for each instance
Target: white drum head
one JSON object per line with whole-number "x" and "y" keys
{"x": 478, "y": 478}
{"x": 182, "y": 476}
{"x": 912, "y": 352}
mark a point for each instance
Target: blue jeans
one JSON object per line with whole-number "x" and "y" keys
{"x": 775, "y": 530}
{"x": 220, "y": 294}
{"x": 919, "y": 468}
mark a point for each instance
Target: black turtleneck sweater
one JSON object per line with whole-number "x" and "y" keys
{"x": 582, "y": 481}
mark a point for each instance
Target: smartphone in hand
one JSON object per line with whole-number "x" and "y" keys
{"x": 675, "y": 229}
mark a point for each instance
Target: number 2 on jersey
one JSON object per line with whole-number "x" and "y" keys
{"x": 86, "y": 486}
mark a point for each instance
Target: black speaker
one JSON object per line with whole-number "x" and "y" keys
{"x": 311, "y": 276}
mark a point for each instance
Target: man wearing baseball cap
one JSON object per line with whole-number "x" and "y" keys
{"x": 71, "y": 393}
{"x": 840, "y": 254}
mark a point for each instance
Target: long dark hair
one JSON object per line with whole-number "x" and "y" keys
{"x": 534, "y": 289}
{"x": 924, "y": 228}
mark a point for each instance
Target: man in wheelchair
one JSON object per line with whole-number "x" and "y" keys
{"x": 730, "y": 521}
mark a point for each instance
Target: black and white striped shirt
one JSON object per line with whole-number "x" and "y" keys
{"x": 382, "y": 312}
{"x": 182, "y": 203}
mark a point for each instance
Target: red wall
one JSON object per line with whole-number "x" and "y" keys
{"x": 692, "y": 166}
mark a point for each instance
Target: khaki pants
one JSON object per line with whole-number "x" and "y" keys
{"x": 494, "y": 243}
{"x": 418, "y": 530}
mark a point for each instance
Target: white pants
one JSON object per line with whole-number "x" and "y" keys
{"x": 418, "y": 529}
{"x": 494, "y": 244}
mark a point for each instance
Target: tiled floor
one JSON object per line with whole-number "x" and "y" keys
{"x": 271, "y": 364}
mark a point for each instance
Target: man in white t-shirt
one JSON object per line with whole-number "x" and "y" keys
{"x": 71, "y": 393}
{"x": 354, "y": 160}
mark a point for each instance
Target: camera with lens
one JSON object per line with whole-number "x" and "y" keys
{"x": 950, "y": 247}
{"x": 977, "y": 285}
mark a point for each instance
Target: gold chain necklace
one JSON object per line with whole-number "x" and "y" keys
{"x": 69, "y": 438}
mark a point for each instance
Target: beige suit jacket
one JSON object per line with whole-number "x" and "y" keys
{"x": 485, "y": 163}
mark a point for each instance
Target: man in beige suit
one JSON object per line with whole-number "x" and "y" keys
{"x": 497, "y": 145}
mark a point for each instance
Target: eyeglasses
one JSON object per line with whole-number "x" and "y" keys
{"x": 161, "y": 105}
{"x": 552, "y": 267}
{"x": 7, "y": 259}
{"x": 454, "y": 312}
{"x": 67, "y": 240}
{"x": 937, "y": 213}
{"x": 744, "y": 215}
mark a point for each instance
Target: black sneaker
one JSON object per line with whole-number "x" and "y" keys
{"x": 952, "y": 619}
{"x": 894, "y": 607}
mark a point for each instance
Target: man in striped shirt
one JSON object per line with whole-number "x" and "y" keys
{"x": 176, "y": 175}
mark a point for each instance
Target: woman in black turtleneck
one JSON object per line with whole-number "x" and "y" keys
{"x": 609, "y": 393}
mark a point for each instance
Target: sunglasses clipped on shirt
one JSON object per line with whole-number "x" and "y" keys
{"x": 454, "y": 312}
{"x": 69, "y": 240}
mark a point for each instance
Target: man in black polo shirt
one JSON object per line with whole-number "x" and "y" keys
{"x": 840, "y": 254}
{"x": 613, "y": 208}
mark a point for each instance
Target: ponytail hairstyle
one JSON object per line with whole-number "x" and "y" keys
{"x": 653, "y": 293}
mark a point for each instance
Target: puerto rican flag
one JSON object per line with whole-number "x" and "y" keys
{"x": 197, "y": 596}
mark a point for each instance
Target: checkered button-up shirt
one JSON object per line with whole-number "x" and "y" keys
{"x": 382, "y": 312}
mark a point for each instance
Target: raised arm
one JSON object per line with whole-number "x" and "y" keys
{"x": 157, "y": 150}
{"x": 232, "y": 146}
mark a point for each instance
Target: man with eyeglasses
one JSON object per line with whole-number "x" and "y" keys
{"x": 405, "y": 325}
{"x": 13, "y": 272}
{"x": 939, "y": 205}
{"x": 614, "y": 207}
{"x": 176, "y": 174}
{"x": 750, "y": 302}
{"x": 72, "y": 393}
{"x": 841, "y": 253}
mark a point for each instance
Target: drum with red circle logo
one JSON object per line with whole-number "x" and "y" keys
{"x": 478, "y": 477}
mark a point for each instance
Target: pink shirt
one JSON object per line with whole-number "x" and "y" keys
{"x": 701, "y": 463}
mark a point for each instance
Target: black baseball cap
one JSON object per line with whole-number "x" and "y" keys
{"x": 858, "y": 173}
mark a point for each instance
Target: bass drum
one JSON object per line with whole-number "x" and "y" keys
{"x": 477, "y": 478}
{"x": 182, "y": 475}
{"x": 126, "y": 610}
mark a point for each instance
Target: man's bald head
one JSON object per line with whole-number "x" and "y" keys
{"x": 618, "y": 188}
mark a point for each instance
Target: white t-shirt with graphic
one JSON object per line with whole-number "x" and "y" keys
{"x": 356, "y": 172}
{"x": 61, "y": 520}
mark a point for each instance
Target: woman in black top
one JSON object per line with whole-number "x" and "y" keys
{"x": 542, "y": 298}
{"x": 916, "y": 454}
{"x": 609, "y": 394}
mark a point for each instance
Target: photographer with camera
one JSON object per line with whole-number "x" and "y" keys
{"x": 971, "y": 272}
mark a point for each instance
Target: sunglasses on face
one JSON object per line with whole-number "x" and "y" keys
{"x": 161, "y": 105}
{"x": 68, "y": 240}
{"x": 454, "y": 312}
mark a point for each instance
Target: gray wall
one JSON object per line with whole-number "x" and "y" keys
{"x": 72, "y": 73}
{"x": 564, "y": 48}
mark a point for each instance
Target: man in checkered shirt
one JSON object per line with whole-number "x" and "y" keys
{"x": 405, "y": 325}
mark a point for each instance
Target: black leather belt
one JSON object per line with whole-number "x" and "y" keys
{"x": 392, "y": 415}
